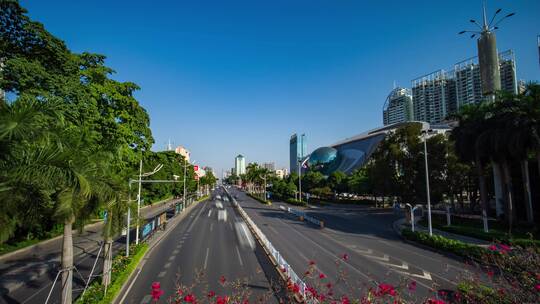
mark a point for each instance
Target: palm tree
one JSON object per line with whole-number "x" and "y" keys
{"x": 471, "y": 124}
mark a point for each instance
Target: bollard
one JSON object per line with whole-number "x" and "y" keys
{"x": 322, "y": 224}
{"x": 301, "y": 218}
{"x": 448, "y": 217}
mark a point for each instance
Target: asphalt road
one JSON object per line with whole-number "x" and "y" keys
{"x": 375, "y": 253}
{"x": 28, "y": 277}
{"x": 208, "y": 244}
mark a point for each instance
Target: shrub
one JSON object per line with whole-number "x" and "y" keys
{"x": 445, "y": 244}
{"x": 259, "y": 199}
{"x": 122, "y": 267}
{"x": 296, "y": 202}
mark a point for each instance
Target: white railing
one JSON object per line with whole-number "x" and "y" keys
{"x": 278, "y": 258}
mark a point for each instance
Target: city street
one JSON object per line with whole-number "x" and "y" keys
{"x": 375, "y": 252}
{"x": 27, "y": 277}
{"x": 205, "y": 246}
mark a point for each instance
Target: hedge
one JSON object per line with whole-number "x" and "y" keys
{"x": 259, "y": 199}
{"x": 296, "y": 202}
{"x": 121, "y": 270}
{"x": 445, "y": 244}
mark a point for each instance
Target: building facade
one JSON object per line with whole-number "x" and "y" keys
{"x": 398, "y": 106}
{"x": 297, "y": 150}
{"x": 239, "y": 165}
{"x": 433, "y": 97}
{"x": 184, "y": 152}
{"x": 441, "y": 93}
{"x": 269, "y": 166}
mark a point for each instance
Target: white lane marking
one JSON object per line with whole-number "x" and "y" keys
{"x": 175, "y": 251}
{"x": 206, "y": 257}
{"x": 239, "y": 258}
{"x": 211, "y": 226}
{"x": 146, "y": 299}
{"x": 209, "y": 212}
{"x": 161, "y": 274}
{"x": 385, "y": 258}
{"x": 222, "y": 215}
{"x": 426, "y": 275}
{"x": 172, "y": 257}
{"x": 167, "y": 265}
{"x": 403, "y": 265}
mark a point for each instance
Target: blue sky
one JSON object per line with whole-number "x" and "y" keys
{"x": 230, "y": 77}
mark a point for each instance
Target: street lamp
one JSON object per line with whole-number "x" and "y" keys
{"x": 185, "y": 169}
{"x": 425, "y": 134}
{"x": 264, "y": 178}
{"x": 300, "y": 165}
{"x": 141, "y": 175}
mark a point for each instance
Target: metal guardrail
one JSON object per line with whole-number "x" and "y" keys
{"x": 305, "y": 216}
{"x": 276, "y": 255}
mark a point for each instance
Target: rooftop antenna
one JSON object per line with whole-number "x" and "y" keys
{"x": 169, "y": 145}
{"x": 486, "y": 27}
{"x": 394, "y": 84}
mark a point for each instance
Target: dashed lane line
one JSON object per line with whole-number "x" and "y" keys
{"x": 206, "y": 257}
{"x": 239, "y": 257}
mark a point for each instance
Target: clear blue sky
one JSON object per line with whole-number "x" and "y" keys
{"x": 230, "y": 77}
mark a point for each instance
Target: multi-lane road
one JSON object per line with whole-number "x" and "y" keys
{"x": 210, "y": 251}
{"x": 357, "y": 250}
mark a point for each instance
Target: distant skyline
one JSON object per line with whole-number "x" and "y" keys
{"x": 223, "y": 78}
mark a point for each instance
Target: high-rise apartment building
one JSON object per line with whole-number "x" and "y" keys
{"x": 468, "y": 80}
{"x": 398, "y": 106}
{"x": 297, "y": 150}
{"x": 239, "y": 165}
{"x": 433, "y": 97}
{"x": 439, "y": 94}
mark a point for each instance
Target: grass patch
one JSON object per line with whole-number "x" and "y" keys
{"x": 295, "y": 202}
{"x": 122, "y": 268}
{"x": 259, "y": 199}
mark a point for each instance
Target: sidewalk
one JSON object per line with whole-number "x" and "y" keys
{"x": 401, "y": 224}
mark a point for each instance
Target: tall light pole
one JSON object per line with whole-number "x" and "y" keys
{"x": 185, "y": 169}
{"x": 300, "y": 165}
{"x": 425, "y": 134}
{"x": 141, "y": 175}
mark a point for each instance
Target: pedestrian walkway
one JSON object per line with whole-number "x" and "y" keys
{"x": 401, "y": 224}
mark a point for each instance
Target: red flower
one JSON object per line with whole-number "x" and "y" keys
{"x": 189, "y": 298}
{"x": 505, "y": 247}
{"x": 490, "y": 273}
{"x": 537, "y": 287}
{"x": 345, "y": 300}
{"x": 307, "y": 272}
{"x": 329, "y": 285}
{"x": 311, "y": 262}
{"x": 283, "y": 269}
{"x": 295, "y": 288}
{"x": 386, "y": 289}
{"x": 345, "y": 257}
{"x": 492, "y": 248}
{"x": 211, "y": 294}
{"x": 435, "y": 301}
{"x": 222, "y": 280}
{"x": 322, "y": 276}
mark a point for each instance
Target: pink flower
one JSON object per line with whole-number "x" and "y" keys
{"x": 345, "y": 257}
{"x": 435, "y": 301}
{"x": 537, "y": 287}
{"x": 156, "y": 291}
{"x": 492, "y": 248}
{"x": 412, "y": 286}
{"x": 345, "y": 300}
{"x": 505, "y": 247}
{"x": 189, "y": 298}
{"x": 211, "y": 294}
{"x": 312, "y": 262}
{"x": 322, "y": 276}
{"x": 222, "y": 280}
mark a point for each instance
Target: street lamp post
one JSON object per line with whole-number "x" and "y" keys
{"x": 300, "y": 165}
{"x": 156, "y": 169}
{"x": 425, "y": 134}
